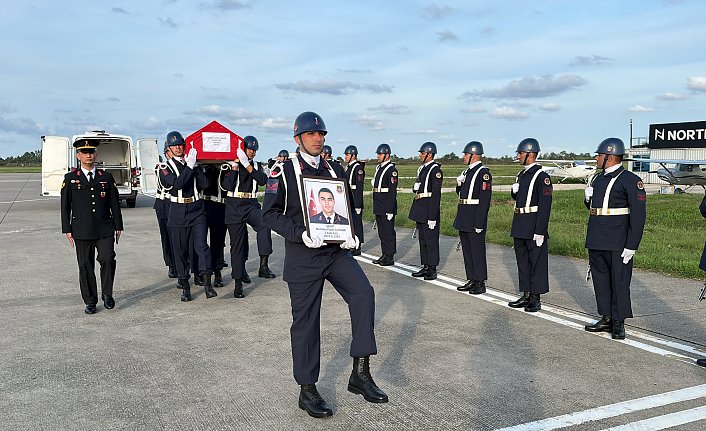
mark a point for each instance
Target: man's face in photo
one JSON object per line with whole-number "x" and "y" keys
{"x": 327, "y": 203}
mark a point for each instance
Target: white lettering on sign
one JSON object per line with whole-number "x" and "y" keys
{"x": 680, "y": 135}
{"x": 216, "y": 142}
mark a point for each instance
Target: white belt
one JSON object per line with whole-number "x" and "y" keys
{"x": 242, "y": 195}
{"x": 609, "y": 211}
{"x": 381, "y": 190}
{"x": 422, "y": 195}
{"x": 526, "y": 210}
{"x": 214, "y": 199}
{"x": 353, "y": 187}
{"x": 468, "y": 201}
{"x": 183, "y": 200}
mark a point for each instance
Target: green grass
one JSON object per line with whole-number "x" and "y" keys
{"x": 672, "y": 242}
{"x": 20, "y": 169}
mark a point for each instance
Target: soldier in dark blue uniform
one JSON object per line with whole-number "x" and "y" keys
{"x": 426, "y": 211}
{"x": 532, "y": 192}
{"x": 161, "y": 209}
{"x": 282, "y": 155}
{"x": 385, "y": 204}
{"x": 309, "y": 262}
{"x": 474, "y": 188}
{"x": 215, "y": 206}
{"x": 355, "y": 174}
{"x": 187, "y": 217}
{"x": 242, "y": 209}
{"x": 617, "y": 201}
{"x": 91, "y": 220}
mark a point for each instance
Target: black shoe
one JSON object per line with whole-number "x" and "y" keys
{"x": 431, "y": 273}
{"x": 208, "y": 287}
{"x": 521, "y": 302}
{"x": 422, "y": 272}
{"x": 172, "y": 272}
{"x": 478, "y": 288}
{"x": 534, "y": 304}
{"x": 245, "y": 278}
{"x": 198, "y": 279}
{"x": 108, "y": 302}
{"x": 603, "y": 325}
{"x": 618, "y": 331}
{"x": 90, "y": 309}
{"x": 376, "y": 261}
{"x": 311, "y": 401}
{"x": 264, "y": 270}
{"x": 217, "y": 279}
{"x": 238, "y": 291}
{"x": 387, "y": 260}
{"x": 185, "y": 290}
{"x": 701, "y": 362}
{"x": 361, "y": 382}
{"x": 355, "y": 252}
{"x": 466, "y": 287}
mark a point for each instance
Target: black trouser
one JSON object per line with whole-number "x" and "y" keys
{"x": 182, "y": 239}
{"x": 387, "y": 234}
{"x": 166, "y": 242}
{"x": 86, "y": 256}
{"x": 215, "y": 220}
{"x": 357, "y": 220}
{"x": 428, "y": 243}
{"x": 532, "y": 265}
{"x": 348, "y": 278}
{"x": 473, "y": 246}
{"x": 611, "y": 282}
{"x": 239, "y": 240}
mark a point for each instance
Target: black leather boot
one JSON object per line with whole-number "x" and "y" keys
{"x": 603, "y": 325}
{"x": 172, "y": 272}
{"x": 245, "y": 278}
{"x": 217, "y": 278}
{"x": 356, "y": 251}
{"x": 185, "y": 290}
{"x": 534, "y": 304}
{"x": 387, "y": 260}
{"x": 431, "y": 273}
{"x": 422, "y": 272}
{"x": 198, "y": 279}
{"x": 238, "y": 291}
{"x": 361, "y": 382}
{"x": 208, "y": 287}
{"x": 701, "y": 362}
{"x": 521, "y": 302}
{"x": 466, "y": 287}
{"x": 376, "y": 261}
{"x": 264, "y": 271}
{"x": 311, "y": 401}
{"x": 618, "y": 332}
{"x": 478, "y": 288}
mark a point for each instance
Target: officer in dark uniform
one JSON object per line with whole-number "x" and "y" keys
{"x": 187, "y": 217}
{"x": 474, "y": 188}
{"x": 532, "y": 192}
{"x": 161, "y": 209}
{"x": 426, "y": 211}
{"x": 702, "y": 265}
{"x": 91, "y": 220}
{"x": 214, "y": 198}
{"x": 242, "y": 209}
{"x": 617, "y": 202}
{"x": 355, "y": 174}
{"x": 309, "y": 262}
{"x": 385, "y": 204}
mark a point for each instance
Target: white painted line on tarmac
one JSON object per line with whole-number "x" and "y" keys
{"x": 19, "y": 181}
{"x": 29, "y": 200}
{"x": 663, "y": 422}
{"x": 621, "y": 408}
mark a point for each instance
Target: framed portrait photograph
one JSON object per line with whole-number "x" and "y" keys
{"x": 328, "y": 209}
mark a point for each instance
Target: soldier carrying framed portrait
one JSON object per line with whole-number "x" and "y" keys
{"x": 327, "y": 207}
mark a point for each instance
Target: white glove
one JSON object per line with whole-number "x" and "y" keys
{"x": 372, "y": 182}
{"x": 233, "y": 164}
{"x": 460, "y": 179}
{"x": 315, "y": 242}
{"x": 479, "y": 230}
{"x": 190, "y": 158}
{"x": 515, "y": 188}
{"x": 242, "y": 157}
{"x": 415, "y": 187}
{"x": 538, "y": 239}
{"x": 350, "y": 243}
{"x": 588, "y": 193}
{"x": 627, "y": 255}
{"x": 431, "y": 224}
{"x": 358, "y": 210}
{"x": 389, "y": 216}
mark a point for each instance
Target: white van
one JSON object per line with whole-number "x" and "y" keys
{"x": 132, "y": 166}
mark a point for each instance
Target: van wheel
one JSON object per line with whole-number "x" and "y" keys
{"x": 130, "y": 203}
{"x": 678, "y": 190}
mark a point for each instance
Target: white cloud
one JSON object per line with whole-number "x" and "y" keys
{"x": 280, "y": 123}
{"x": 640, "y": 108}
{"x": 591, "y": 60}
{"x": 529, "y": 87}
{"x": 696, "y": 83}
{"x": 330, "y": 86}
{"x": 550, "y": 107}
{"x": 371, "y": 122}
{"x": 672, "y": 96}
{"x": 394, "y": 108}
{"x": 508, "y": 113}
{"x": 436, "y": 11}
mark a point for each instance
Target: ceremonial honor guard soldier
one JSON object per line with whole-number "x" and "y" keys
{"x": 426, "y": 210}
{"x": 356, "y": 180}
{"x": 214, "y": 198}
{"x": 532, "y": 192}
{"x": 242, "y": 209}
{"x": 474, "y": 188}
{"x": 187, "y": 217}
{"x": 309, "y": 262}
{"x": 617, "y": 201}
{"x": 385, "y": 204}
{"x": 282, "y": 155}
{"x": 161, "y": 209}
{"x": 91, "y": 220}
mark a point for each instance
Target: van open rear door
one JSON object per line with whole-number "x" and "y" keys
{"x": 56, "y": 153}
{"x": 147, "y": 156}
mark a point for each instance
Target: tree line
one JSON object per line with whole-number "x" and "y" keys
{"x": 29, "y": 158}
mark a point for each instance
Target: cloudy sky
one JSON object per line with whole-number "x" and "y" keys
{"x": 569, "y": 73}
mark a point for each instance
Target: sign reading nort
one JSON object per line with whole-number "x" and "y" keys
{"x": 678, "y": 135}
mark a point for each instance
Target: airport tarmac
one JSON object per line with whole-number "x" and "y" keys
{"x": 447, "y": 360}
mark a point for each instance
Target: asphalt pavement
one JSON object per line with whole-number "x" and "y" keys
{"x": 448, "y": 360}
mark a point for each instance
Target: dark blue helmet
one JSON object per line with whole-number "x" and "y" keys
{"x": 428, "y": 147}
{"x": 283, "y": 153}
{"x": 383, "y": 149}
{"x": 473, "y": 147}
{"x": 528, "y": 145}
{"x": 174, "y": 138}
{"x": 309, "y": 122}
{"x": 327, "y": 150}
{"x": 251, "y": 143}
{"x": 612, "y": 146}
{"x": 351, "y": 149}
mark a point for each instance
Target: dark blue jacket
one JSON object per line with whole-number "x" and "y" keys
{"x": 424, "y": 209}
{"x": 90, "y": 211}
{"x": 474, "y": 216}
{"x": 526, "y": 225}
{"x": 385, "y": 202}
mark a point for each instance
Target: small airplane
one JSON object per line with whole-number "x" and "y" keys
{"x": 565, "y": 169}
{"x": 688, "y": 173}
